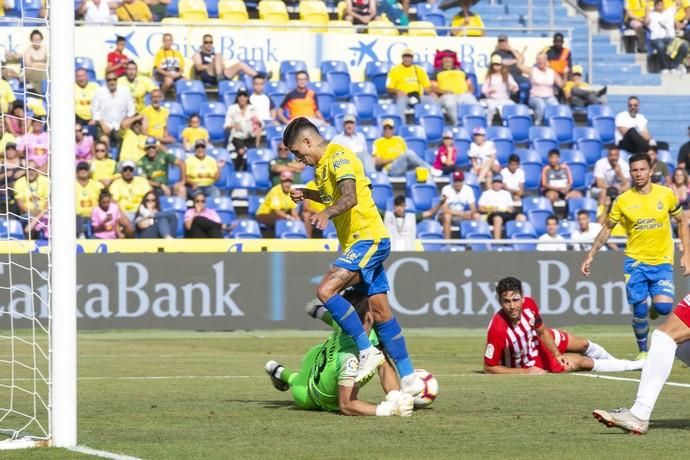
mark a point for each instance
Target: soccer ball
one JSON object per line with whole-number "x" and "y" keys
{"x": 427, "y": 396}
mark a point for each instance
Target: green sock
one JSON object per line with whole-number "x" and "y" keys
{"x": 288, "y": 376}
{"x": 328, "y": 319}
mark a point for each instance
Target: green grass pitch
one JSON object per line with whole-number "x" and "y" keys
{"x": 183, "y": 395}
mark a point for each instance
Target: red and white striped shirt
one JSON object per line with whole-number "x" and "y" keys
{"x": 514, "y": 345}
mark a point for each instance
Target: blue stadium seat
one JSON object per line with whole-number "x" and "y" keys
{"x": 436, "y": 17}
{"x": 519, "y": 125}
{"x": 274, "y": 131}
{"x": 218, "y": 108}
{"x": 291, "y": 67}
{"x": 11, "y": 228}
{"x": 254, "y": 203}
{"x": 430, "y": 117}
{"x": 543, "y": 139}
{"x": 377, "y": 73}
{"x": 230, "y": 86}
{"x": 192, "y": 101}
{"x": 262, "y": 176}
{"x": 371, "y": 133}
{"x": 29, "y": 8}
{"x": 605, "y": 126}
{"x": 174, "y": 174}
{"x": 214, "y": 124}
{"x": 223, "y": 206}
{"x": 588, "y": 204}
{"x": 572, "y": 156}
{"x": 462, "y": 140}
{"x": 566, "y": 228}
{"x": 528, "y": 155}
{"x": 224, "y": 179}
{"x": 342, "y": 109}
{"x": 476, "y": 230}
{"x": 536, "y": 202}
{"x": 325, "y": 98}
{"x": 538, "y": 218}
{"x": 599, "y": 110}
{"x": 177, "y": 204}
{"x": 560, "y": 110}
{"x": 515, "y": 227}
{"x": 423, "y": 196}
{"x": 212, "y": 8}
{"x": 415, "y": 137}
{"x": 365, "y": 98}
{"x": 532, "y": 175}
{"x": 184, "y": 86}
{"x": 87, "y": 64}
{"x": 381, "y": 193}
{"x": 178, "y": 151}
{"x": 331, "y": 66}
{"x": 378, "y": 178}
{"x": 253, "y": 155}
{"x": 340, "y": 81}
{"x": 292, "y": 229}
{"x": 217, "y": 153}
{"x": 241, "y": 181}
{"x": 562, "y": 126}
{"x": 611, "y": 12}
{"x": 429, "y": 228}
{"x": 578, "y": 171}
{"x": 386, "y": 108}
{"x": 259, "y": 66}
{"x": 473, "y": 121}
{"x": 470, "y": 109}
{"x": 245, "y": 228}
{"x": 173, "y": 8}
{"x": 176, "y": 123}
{"x": 524, "y": 246}
{"x": 472, "y": 181}
{"x": 328, "y": 132}
{"x": 503, "y": 140}
{"x": 590, "y": 148}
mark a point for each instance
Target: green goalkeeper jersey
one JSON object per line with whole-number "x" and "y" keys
{"x": 335, "y": 364}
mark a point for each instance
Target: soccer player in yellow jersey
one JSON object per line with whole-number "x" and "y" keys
{"x": 644, "y": 211}
{"x": 345, "y": 191}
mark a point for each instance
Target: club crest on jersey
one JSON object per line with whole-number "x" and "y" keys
{"x": 489, "y": 353}
{"x": 659, "y": 205}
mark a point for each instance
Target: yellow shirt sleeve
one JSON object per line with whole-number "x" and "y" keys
{"x": 341, "y": 166}
{"x": 423, "y": 78}
{"x": 393, "y": 77}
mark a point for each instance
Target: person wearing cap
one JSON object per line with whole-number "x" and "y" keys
{"x": 356, "y": 142}
{"x": 402, "y": 225}
{"x": 154, "y": 165}
{"x": 36, "y": 143}
{"x": 155, "y": 119}
{"x": 684, "y": 154}
{"x": 579, "y": 93}
{"x": 277, "y": 203}
{"x": 391, "y": 154}
{"x": 453, "y": 87}
{"x": 282, "y": 163}
{"x": 133, "y": 139}
{"x": 483, "y": 156}
{"x": 168, "y": 64}
{"x": 102, "y": 166}
{"x": 84, "y": 91}
{"x": 498, "y": 88}
{"x": 497, "y": 204}
{"x": 210, "y": 66}
{"x": 560, "y": 58}
{"x": 202, "y": 172}
{"x": 460, "y": 203}
{"x": 83, "y": 143}
{"x": 139, "y": 85}
{"x": 86, "y": 191}
{"x": 129, "y": 189}
{"x": 301, "y": 102}
{"x": 117, "y": 59}
{"x": 244, "y": 128}
{"x": 660, "y": 172}
{"x": 134, "y": 11}
{"x": 111, "y": 107}
{"x": 96, "y": 11}
{"x": 514, "y": 178}
{"x": 543, "y": 80}
{"x": 447, "y": 154}
{"x": 467, "y": 24}
{"x": 12, "y": 167}
{"x": 407, "y": 82}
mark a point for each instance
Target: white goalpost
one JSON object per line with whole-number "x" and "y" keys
{"x": 38, "y": 367}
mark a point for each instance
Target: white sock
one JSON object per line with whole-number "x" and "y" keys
{"x": 279, "y": 372}
{"x": 596, "y": 351}
{"x": 655, "y": 372}
{"x": 320, "y": 311}
{"x": 614, "y": 365}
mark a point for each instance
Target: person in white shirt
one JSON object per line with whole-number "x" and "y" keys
{"x": 551, "y": 235}
{"x": 483, "y": 156}
{"x": 356, "y": 142}
{"x": 585, "y": 233}
{"x": 498, "y": 205}
{"x": 460, "y": 203}
{"x": 611, "y": 173}
{"x": 514, "y": 177}
{"x": 631, "y": 128}
{"x": 265, "y": 108}
{"x": 402, "y": 225}
{"x": 110, "y": 107}
{"x": 244, "y": 127}
{"x": 97, "y": 11}
{"x": 662, "y": 30}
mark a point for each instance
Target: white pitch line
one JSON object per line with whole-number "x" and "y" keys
{"x": 101, "y": 453}
{"x": 627, "y": 379}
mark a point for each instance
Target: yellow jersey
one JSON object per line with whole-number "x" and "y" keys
{"x": 156, "y": 120}
{"x": 132, "y": 146}
{"x": 412, "y": 79}
{"x": 645, "y": 218}
{"x": 276, "y": 200}
{"x": 474, "y": 26}
{"x": 637, "y": 8}
{"x": 314, "y": 206}
{"x": 363, "y": 221}
{"x": 138, "y": 11}
{"x": 82, "y": 99}
{"x": 87, "y": 196}
{"x": 191, "y": 135}
{"x": 139, "y": 88}
{"x": 453, "y": 80}
{"x": 169, "y": 59}
{"x": 201, "y": 172}
{"x": 103, "y": 169}
{"x": 129, "y": 195}
{"x": 389, "y": 148}
{"x": 34, "y": 194}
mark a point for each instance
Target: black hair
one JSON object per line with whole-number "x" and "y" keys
{"x": 259, "y": 76}
{"x": 612, "y": 147}
{"x": 513, "y": 157}
{"x": 295, "y": 127}
{"x": 36, "y": 32}
{"x": 359, "y": 301}
{"x": 132, "y": 62}
{"x": 634, "y": 98}
{"x": 552, "y": 217}
{"x": 640, "y": 157}
{"x": 300, "y": 72}
{"x": 558, "y": 35}
{"x": 120, "y": 38}
{"x": 103, "y": 194}
{"x": 399, "y": 200}
{"x": 508, "y": 284}
{"x": 554, "y": 152}
{"x": 143, "y": 202}
{"x": 583, "y": 211}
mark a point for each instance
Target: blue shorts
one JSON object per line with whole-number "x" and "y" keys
{"x": 642, "y": 280}
{"x": 367, "y": 257}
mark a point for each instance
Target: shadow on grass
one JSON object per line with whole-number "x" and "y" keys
{"x": 671, "y": 424}
{"x": 267, "y": 404}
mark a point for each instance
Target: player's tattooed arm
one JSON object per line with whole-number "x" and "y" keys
{"x": 599, "y": 241}
{"x": 347, "y": 200}
{"x": 312, "y": 195}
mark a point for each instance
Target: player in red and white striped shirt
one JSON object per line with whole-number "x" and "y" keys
{"x": 517, "y": 341}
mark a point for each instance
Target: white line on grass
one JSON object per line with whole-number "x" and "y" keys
{"x": 626, "y": 379}
{"x": 101, "y": 453}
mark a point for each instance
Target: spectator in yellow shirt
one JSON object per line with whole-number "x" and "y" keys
{"x": 134, "y": 11}
{"x": 32, "y": 192}
{"x": 84, "y": 91}
{"x": 86, "y": 191}
{"x": 635, "y": 12}
{"x": 138, "y": 85}
{"x": 129, "y": 190}
{"x": 391, "y": 154}
{"x": 102, "y": 166}
{"x": 168, "y": 64}
{"x": 202, "y": 172}
{"x": 277, "y": 203}
{"x": 407, "y": 82}
{"x": 579, "y": 93}
{"x": 194, "y": 132}
{"x": 453, "y": 88}
{"x": 133, "y": 140}
{"x": 155, "y": 119}
{"x": 467, "y": 24}
{"x": 6, "y": 95}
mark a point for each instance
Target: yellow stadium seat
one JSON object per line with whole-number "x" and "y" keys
{"x": 273, "y": 11}
{"x": 422, "y": 29}
{"x": 340, "y": 9}
{"x": 193, "y": 10}
{"x": 341, "y": 27}
{"x": 258, "y": 24}
{"x": 232, "y": 11}
{"x": 314, "y": 12}
{"x": 172, "y": 21}
{"x": 298, "y": 25}
{"x": 389, "y": 30}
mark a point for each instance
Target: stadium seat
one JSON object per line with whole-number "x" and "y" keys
{"x": 176, "y": 123}
{"x": 543, "y": 139}
{"x": 566, "y": 228}
{"x": 423, "y": 196}
{"x": 588, "y": 204}
{"x": 536, "y": 202}
{"x": 223, "y": 206}
{"x": 415, "y": 137}
{"x": 599, "y": 110}
{"x": 333, "y": 66}
{"x": 476, "y": 230}
{"x": 215, "y": 125}
{"x": 381, "y": 193}
{"x": 503, "y": 140}
{"x": 371, "y": 133}
{"x": 192, "y": 101}
{"x": 193, "y": 10}
{"x": 256, "y": 64}
{"x": 29, "y": 8}
{"x": 563, "y": 127}
{"x": 261, "y": 173}
{"x": 590, "y": 148}
{"x": 293, "y": 229}
{"x": 273, "y": 12}
{"x": 379, "y": 178}
{"x": 11, "y": 229}
{"x": 218, "y": 108}
{"x": 572, "y": 156}
{"x": 578, "y": 171}
{"x": 611, "y": 12}
{"x": 230, "y": 87}
{"x": 532, "y": 175}
{"x": 528, "y": 155}
{"x": 241, "y": 181}
{"x": 430, "y": 229}
{"x": 462, "y": 141}
{"x": 430, "y": 13}
{"x": 518, "y": 123}
{"x": 193, "y": 86}
{"x": 515, "y": 227}
{"x": 314, "y": 13}
{"x": 470, "y": 109}
{"x": 421, "y": 29}
{"x": 338, "y": 79}
{"x": 325, "y": 97}
{"x": 254, "y": 202}
{"x": 253, "y": 155}
{"x": 473, "y": 121}
{"x": 177, "y": 204}
{"x": 174, "y": 174}
{"x": 290, "y": 66}
{"x": 365, "y": 98}
{"x": 606, "y": 127}
{"x": 341, "y": 27}
{"x": 245, "y": 228}
{"x": 538, "y": 218}
{"x": 560, "y": 110}
{"x": 87, "y": 64}
{"x": 233, "y": 11}
{"x": 382, "y": 27}
{"x": 430, "y": 117}
{"x": 377, "y": 73}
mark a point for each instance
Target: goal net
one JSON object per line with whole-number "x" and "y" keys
{"x": 37, "y": 259}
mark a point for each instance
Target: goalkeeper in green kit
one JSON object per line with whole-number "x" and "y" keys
{"x": 326, "y": 379}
